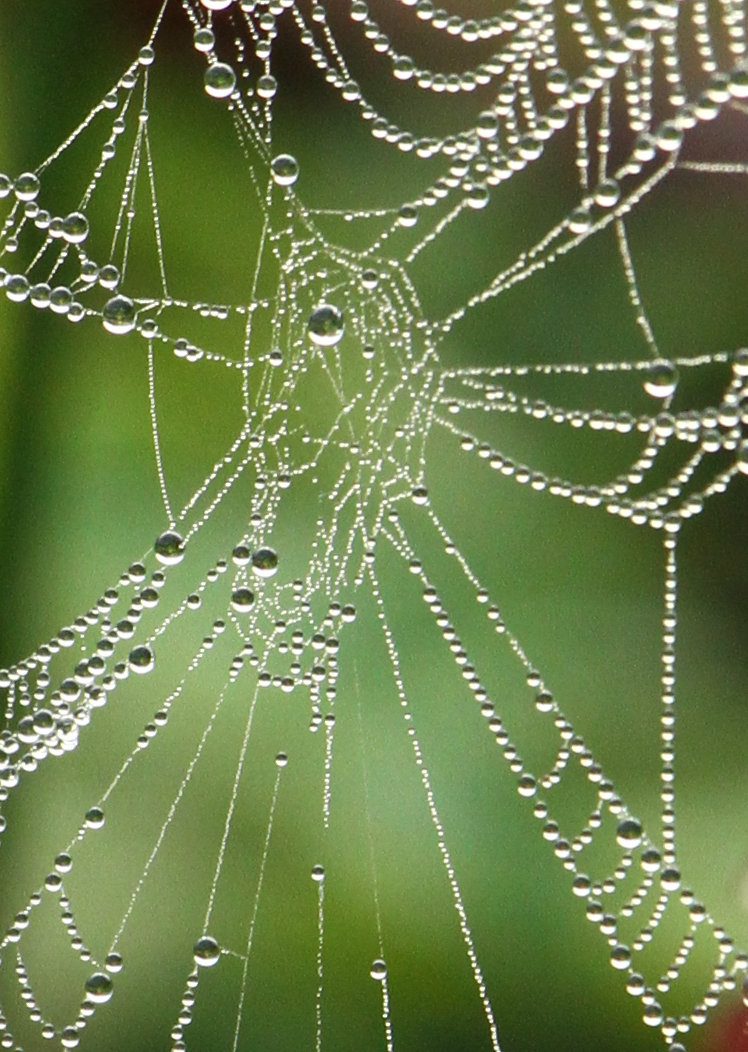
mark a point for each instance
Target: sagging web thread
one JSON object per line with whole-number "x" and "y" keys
{"x": 342, "y": 386}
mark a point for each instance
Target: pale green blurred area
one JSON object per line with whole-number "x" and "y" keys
{"x": 582, "y": 592}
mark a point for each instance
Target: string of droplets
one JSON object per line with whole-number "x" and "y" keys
{"x": 715, "y": 430}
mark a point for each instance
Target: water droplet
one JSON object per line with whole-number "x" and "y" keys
{"x": 378, "y": 970}
{"x": 318, "y": 873}
{"x": 118, "y": 315}
{"x": 608, "y": 193}
{"x": 281, "y": 759}
{"x": 580, "y": 220}
{"x": 527, "y": 786}
{"x": 477, "y": 195}
{"x": 742, "y": 459}
{"x": 650, "y": 860}
{"x": 241, "y": 555}
{"x": 203, "y": 39}
{"x": 629, "y": 833}
{"x": 75, "y": 228}
{"x": 661, "y": 380}
{"x": 94, "y": 818}
{"x": 206, "y": 952}
{"x": 670, "y": 879}
{"x": 113, "y": 963}
{"x": 242, "y": 600}
{"x": 99, "y": 988}
{"x": 267, "y": 87}
{"x": 169, "y": 548}
{"x": 407, "y": 215}
{"x": 216, "y": 5}
{"x": 17, "y": 288}
{"x": 265, "y": 562}
{"x": 284, "y": 169}
{"x": 326, "y": 325}
{"x": 620, "y": 957}
{"x": 69, "y": 1038}
{"x": 141, "y": 660}
{"x": 63, "y": 863}
{"x": 419, "y": 495}
{"x": 26, "y": 187}
{"x": 219, "y": 80}
{"x": 369, "y": 279}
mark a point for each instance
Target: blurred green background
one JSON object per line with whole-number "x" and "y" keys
{"x": 79, "y": 501}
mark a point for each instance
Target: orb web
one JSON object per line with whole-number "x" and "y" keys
{"x": 286, "y": 760}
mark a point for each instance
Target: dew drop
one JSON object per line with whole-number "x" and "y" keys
{"x": 26, "y": 187}
{"x": 141, "y": 660}
{"x": 407, "y": 215}
{"x": 419, "y": 495}
{"x": 318, "y": 873}
{"x": 118, "y": 315}
{"x": 620, "y": 957}
{"x": 265, "y": 562}
{"x": 75, "y": 228}
{"x": 216, "y": 5}
{"x": 281, "y": 759}
{"x": 99, "y": 988}
{"x": 608, "y": 193}
{"x": 219, "y": 80}
{"x": 369, "y": 279}
{"x": 580, "y": 220}
{"x": 241, "y": 555}
{"x": 206, "y": 952}
{"x": 629, "y": 833}
{"x": 203, "y": 39}
{"x": 284, "y": 169}
{"x": 661, "y": 379}
{"x": 242, "y": 600}
{"x": 69, "y": 1038}
{"x": 326, "y": 325}
{"x": 378, "y": 970}
{"x": 169, "y": 548}
{"x": 742, "y": 459}
{"x": 94, "y": 818}
{"x": 113, "y": 963}
{"x": 267, "y": 87}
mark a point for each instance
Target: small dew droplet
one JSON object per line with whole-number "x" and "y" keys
{"x": 318, "y": 873}
{"x": 378, "y": 970}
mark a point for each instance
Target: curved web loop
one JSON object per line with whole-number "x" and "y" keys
{"x": 354, "y": 408}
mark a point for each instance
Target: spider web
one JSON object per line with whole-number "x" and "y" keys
{"x": 280, "y": 758}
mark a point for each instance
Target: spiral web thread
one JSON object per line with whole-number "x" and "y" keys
{"x": 323, "y": 316}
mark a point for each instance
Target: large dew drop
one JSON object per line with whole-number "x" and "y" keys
{"x": 169, "y": 548}
{"x": 118, "y": 315}
{"x": 326, "y": 325}
{"x": 216, "y": 5}
{"x": 141, "y": 660}
{"x": 206, "y": 952}
{"x": 265, "y": 562}
{"x": 99, "y": 988}
{"x": 284, "y": 169}
{"x": 378, "y": 970}
{"x": 662, "y": 379}
{"x": 629, "y": 833}
{"x": 219, "y": 80}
